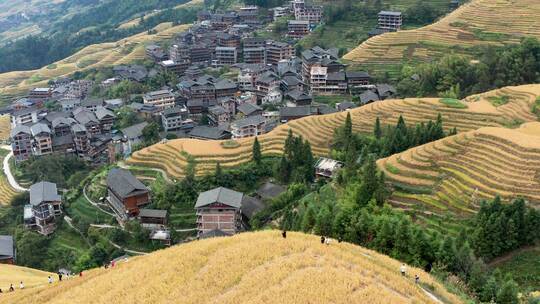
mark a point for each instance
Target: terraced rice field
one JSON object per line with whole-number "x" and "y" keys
{"x": 136, "y": 21}
{"x": 267, "y": 269}
{"x": 5, "y": 127}
{"x": 172, "y": 156}
{"x": 478, "y": 22}
{"x": 10, "y": 274}
{"x": 455, "y": 173}
{"x": 123, "y": 51}
{"x": 6, "y": 191}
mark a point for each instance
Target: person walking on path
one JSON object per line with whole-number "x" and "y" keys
{"x": 327, "y": 241}
{"x": 59, "y": 276}
{"x": 11, "y": 288}
{"x": 284, "y": 234}
{"x": 403, "y": 269}
{"x": 322, "y": 239}
{"x": 50, "y": 280}
{"x": 21, "y": 286}
{"x": 416, "y": 279}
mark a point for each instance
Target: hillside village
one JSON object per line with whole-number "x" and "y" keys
{"x": 233, "y": 126}
{"x": 271, "y": 84}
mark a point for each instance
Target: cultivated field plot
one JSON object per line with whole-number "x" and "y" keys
{"x": 475, "y": 23}
{"x": 123, "y": 51}
{"x": 267, "y": 269}
{"x": 5, "y": 127}
{"x": 456, "y": 173}
{"x": 6, "y": 191}
{"x": 478, "y": 111}
{"x": 10, "y": 274}
{"x": 136, "y": 21}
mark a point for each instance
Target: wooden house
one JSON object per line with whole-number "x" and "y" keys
{"x": 126, "y": 194}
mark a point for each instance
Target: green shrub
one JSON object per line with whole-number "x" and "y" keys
{"x": 391, "y": 168}
{"x": 536, "y": 107}
{"x": 453, "y": 103}
{"x": 230, "y": 144}
{"x": 498, "y": 100}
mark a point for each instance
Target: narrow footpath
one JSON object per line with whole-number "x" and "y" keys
{"x": 10, "y": 177}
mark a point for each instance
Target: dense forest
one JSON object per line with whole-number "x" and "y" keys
{"x": 96, "y": 25}
{"x": 457, "y": 76}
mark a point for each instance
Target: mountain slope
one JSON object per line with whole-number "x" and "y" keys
{"x": 478, "y": 22}
{"x": 10, "y": 274}
{"x": 477, "y": 112}
{"x": 256, "y": 267}
{"x": 98, "y": 55}
{"x": 456, "y": 173}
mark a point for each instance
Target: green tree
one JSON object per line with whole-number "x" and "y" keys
{"x": 257, "y": 157}
{"x": 150, "y": 133}
{"x": 323, "y": 222}
{"x": 508, "y": 293}
{"x": 377, "y": 131}
{"x": 308, "y": 219}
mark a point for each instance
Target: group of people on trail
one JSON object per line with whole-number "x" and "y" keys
{"x": 326, "y": 240}
{"x": 11, "y": 288}
{"x": 403, "y": 270}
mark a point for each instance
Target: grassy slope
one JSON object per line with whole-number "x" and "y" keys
{"x": 135, "y": 22}
{"x": 15, "y": 274}
{"x": 171, "y": 156}
{"x": 476, "y": 23}
{"x": 251, "y": 267}
{"x": 525, "y": 268}
{"x": 349, "y": 32}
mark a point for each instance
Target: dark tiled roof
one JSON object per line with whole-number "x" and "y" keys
{"x": 102, "y": 112}
{"x": 248, "y": 108}
{"x": 213, "y": 233}
{"x": 251, "y": 205}
{"x": 345, "y": 105}
{"x": 91, "y": 102}
{"x": 40, "y": 128}
{"x": 6, "y": 247}
{"x": 123, "y": 183}
{"x": 225, "y": 84}
{"x": 368, "y": 96}
{"x": 338, "y": 76}
{"x": 249, "y": 121}
{"x": 207, "y": 132}
{"x": 270, "y": 190}
{"x": 20, "y": 129}
{"x": 385, "y": 89}
{"x": 134, "y": 131}
{"x": 62, "y": 140}
{"x": 390, "y": 13}
{"x": 43, "y": 192}
{"x": 153, "y": 213}
{"x": 359, "y": 74}
{"x": 220, "y": 195}
{"x": 295, "y": 111}
{"x": 298, "y": 95}
{"x": 84, "y": 116}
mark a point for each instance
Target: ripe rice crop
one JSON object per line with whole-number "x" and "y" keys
{"x": 478, "y": 22}
{"x": 466, "y": 168}
{"x": 319, "y": 130}
{"x": 259, "y": 267}
{"x": 10, "y": 274}
{"x": 123, "y": 51}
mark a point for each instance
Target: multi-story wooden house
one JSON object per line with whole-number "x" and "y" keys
{"x": 219, "y": 209}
